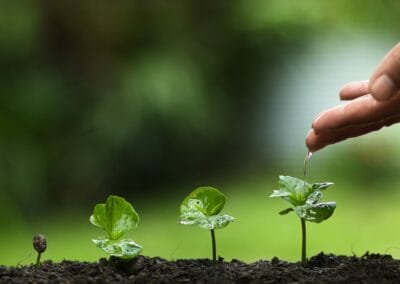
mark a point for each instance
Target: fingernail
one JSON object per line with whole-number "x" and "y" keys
{"x": 383, "y": 88}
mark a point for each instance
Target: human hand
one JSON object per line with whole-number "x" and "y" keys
{"x": 372, "y": 105}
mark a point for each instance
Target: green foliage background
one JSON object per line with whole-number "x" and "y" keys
{"x": 151, "y": 99}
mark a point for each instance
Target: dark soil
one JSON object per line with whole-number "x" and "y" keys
{"x": 323, "y": 268}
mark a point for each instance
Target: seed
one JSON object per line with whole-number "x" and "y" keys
{"x": 39, "y": 243}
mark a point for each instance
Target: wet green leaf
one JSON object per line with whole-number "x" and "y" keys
{"x": 201, "y": 208}
{"x": 316, "y": 212}
{"x": 305, "y": 198}
{"x": 279, "y": 193}
{"x": 321, "y": 185}
{"x": 210, "y": 222}
{"x": 116, "y": 217}
{"x": 292, "y": 190}
{"x": 314, "y": 197}
{"x": 125, "y": 248}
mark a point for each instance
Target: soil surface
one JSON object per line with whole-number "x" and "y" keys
{"x": 322, "y": 268}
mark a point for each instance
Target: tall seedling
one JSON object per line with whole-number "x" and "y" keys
{"x": 306, "y": 202}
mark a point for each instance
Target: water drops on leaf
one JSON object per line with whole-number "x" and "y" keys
{"x": 125, "y": 248}
{"x": 316, "y": 212}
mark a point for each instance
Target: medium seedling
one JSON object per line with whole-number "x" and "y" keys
{"x": 40, "y": 245}
{"x": 305, "y": 199}
{"x": 116, "y": 217}
{"x": 201, "y": 208}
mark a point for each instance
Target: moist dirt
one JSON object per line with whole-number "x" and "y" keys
{"x": 322, "y": 268}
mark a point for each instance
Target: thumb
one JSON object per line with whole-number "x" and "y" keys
{"x": 385, "y": 82}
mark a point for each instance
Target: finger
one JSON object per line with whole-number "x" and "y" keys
{"x": 314, "y": 142}
{"x": 362, "y": 110}
{"x": 317, "y": 141}
{"x": 385, "y": 81}
{"x": 354, "y": 90}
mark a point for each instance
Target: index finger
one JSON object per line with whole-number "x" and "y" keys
{"x": 316, "y": 141}
{"x": 359, "y": 111}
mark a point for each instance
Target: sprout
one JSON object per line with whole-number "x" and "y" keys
{"x": 305, "y": 199}
{"x": 40, "y": 245}
{"x": 201, "y": 208}
{"x": 116, "y": 217}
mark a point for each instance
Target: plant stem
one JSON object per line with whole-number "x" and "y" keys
{"x": 303, "y": 241}
{"x": 38, "y": 260}
{"x": 214, "y": 246}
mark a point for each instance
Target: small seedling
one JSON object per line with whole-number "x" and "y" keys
{"x": 40, "y": 245}
{"x": 201, "y": 208}
{"x": 116, "y": 217}
{"x": 306, "y": 202}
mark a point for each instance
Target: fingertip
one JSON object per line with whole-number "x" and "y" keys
{"x": 309, "y": 140}
{"x": 315, "y": 125}
{"x": 312, "y": 142}
{"x": 353, "y": 90}
{"x": 343, "y": 92}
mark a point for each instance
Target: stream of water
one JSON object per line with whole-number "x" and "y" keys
{"x": 305, "y": 164}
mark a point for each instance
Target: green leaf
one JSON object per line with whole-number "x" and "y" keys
{"x": 125, "y": 248}
{"x": 305, "y": 198}
{"x": 210, "y": 222}
{"x": 296, "y": 191}
{"x": 314, "y": 197}
{"x": 286, "y": 211}
{"x": 116, "y": 217}
{"x": 207, "y": 200}
{"x": 292, "y": 189}
{"x": 279, "y": 193}
{"x": 321, "y": 185}
{"x": 316, "y": 212}
{"x": 201, "y": 208}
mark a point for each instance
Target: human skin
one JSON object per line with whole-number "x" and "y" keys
{"x": 371, "y": 105}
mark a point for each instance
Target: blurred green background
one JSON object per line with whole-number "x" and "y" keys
{"x": 150, "y": 99}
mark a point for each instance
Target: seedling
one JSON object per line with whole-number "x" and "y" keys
{"x": 201, "y": 208}
{"x": 39, "y": 244}
{"x": 305, "y": 199}
{"x": 116, "y": 217}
